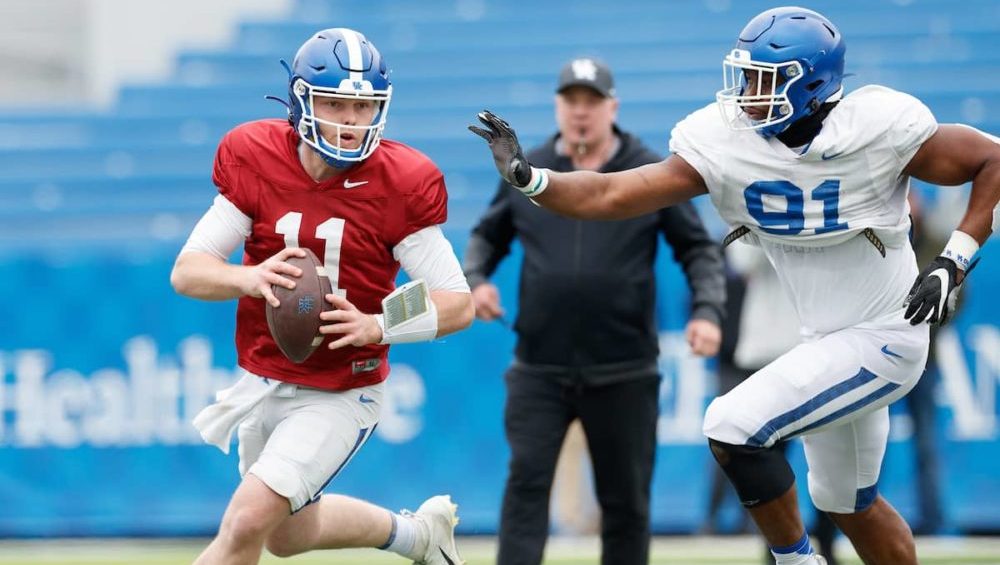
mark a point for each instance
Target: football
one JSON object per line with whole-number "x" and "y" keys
{"x": 295, "y": 323}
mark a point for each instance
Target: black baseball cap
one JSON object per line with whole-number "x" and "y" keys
{"x": 588, "y": 72}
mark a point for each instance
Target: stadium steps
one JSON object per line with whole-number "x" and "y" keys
{"x": 141, "y": 172}
{"x": 640, "y": 55}
{"x": 416, "y": 126}
{"x": 647, "y": 22}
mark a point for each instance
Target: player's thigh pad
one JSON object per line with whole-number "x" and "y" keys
{"x": 828, "y": 382}
{"x": 844, "y": 462}
{"x": 309, "y": 436}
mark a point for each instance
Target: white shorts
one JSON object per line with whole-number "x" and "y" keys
{"x": 835, "y": 393}
{"x": 297, "y": 439}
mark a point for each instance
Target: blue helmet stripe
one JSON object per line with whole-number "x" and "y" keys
{"x": 355, "y": 58}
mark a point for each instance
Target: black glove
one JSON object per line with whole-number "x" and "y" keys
{"x": 935, "y": 292}
{"x": 507, "y": 153}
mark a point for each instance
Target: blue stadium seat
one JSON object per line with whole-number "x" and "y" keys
{"x": 99, "y": 194}
{"x": 644, "y": 109}
{"x": 264, "y": 73}
{"x": 46, "y": 164}
{"x": 419, "y": 92}
{"x": 111, "y": 130}
{"x": 655, "y": 22}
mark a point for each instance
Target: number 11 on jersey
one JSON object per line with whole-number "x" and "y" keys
{"x": 331, "y": 231}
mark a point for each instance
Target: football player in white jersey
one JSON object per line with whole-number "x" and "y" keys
{"x": 818, "y": 180}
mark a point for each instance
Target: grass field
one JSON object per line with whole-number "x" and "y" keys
{"x": 477, "y": 551}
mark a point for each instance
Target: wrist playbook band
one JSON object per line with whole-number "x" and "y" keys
{"x": 960, "y": 249}
{"x": 408, "y": 314}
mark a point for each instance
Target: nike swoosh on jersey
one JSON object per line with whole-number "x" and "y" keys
{"x": 349, "y": 184}
{"x": 885, "y": 349}
{"x": 365, "y": 399}
{"x": 826, "y": 157}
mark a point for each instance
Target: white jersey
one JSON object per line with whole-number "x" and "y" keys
{"x": 807, "y": 210}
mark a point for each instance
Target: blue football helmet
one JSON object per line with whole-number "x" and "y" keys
{"x": 338, "y": 63}
{"x": 794, "y": 58}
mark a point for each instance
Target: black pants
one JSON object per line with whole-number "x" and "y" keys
{"x": 619, "y": 421}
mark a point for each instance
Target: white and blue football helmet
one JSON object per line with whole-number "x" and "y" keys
{"x": 799, "y": 53}
{"x": 340, "y": 63}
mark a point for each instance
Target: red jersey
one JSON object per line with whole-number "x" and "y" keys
{"x": 351, "y": 222}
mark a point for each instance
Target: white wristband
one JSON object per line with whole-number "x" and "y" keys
{"x": 960, "y": 249}
{"x": 412, "y": 315}
{"x": 538, "y": 183}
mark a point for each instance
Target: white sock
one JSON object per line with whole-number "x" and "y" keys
{"x": 403, "y": 538}
{"x": 799, "y": 553}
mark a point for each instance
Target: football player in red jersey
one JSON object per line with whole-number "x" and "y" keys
{"x": 324, "y": 180}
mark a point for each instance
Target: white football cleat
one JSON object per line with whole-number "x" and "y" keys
{"x": 439, "y": 515}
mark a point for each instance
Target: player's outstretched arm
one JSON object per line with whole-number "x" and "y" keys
{"x": 587, "y": 194}
{"x": 953, "y": 156}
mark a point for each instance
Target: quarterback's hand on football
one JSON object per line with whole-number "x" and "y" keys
{"x": 703, "y": 337}
{"x": 354, "y": 326}
{"x": 486, "y": 299}
{"x": 507, "y": 153}
{"x": 935, "y": 292}
{"x": 257, "y": 280}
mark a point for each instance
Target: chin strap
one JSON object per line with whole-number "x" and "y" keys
{"x": 333, "y": 161}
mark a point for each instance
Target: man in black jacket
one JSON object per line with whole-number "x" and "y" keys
{"x": 587, "y": 340}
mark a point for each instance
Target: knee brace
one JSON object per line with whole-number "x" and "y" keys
{"x": 759, "y": 474}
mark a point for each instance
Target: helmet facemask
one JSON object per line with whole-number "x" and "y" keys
{"x": 311, "y": 128}
{"x": 772, "y": 84}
